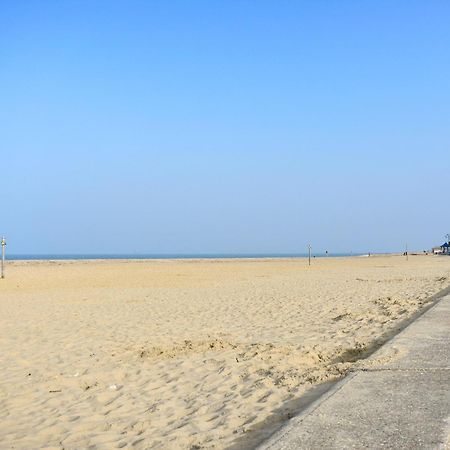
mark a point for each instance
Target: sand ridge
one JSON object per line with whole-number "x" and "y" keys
{"x": 187, "y": 354}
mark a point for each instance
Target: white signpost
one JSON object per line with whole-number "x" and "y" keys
{"x": 3, "y": 256}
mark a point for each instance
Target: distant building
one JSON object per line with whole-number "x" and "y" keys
{"x": 443, "y": 249}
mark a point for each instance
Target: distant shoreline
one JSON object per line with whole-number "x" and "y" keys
{"x": 212, "y": 256}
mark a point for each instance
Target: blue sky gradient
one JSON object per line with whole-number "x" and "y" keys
{"x": 224, "y": 126}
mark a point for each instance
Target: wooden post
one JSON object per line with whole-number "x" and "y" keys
{"x": 3, "y": 257}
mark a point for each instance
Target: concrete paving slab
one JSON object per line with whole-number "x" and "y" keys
{"x": 424, "y": 344}
{"x": 408, "y": 354}
{"x": 386, "y": 409}
{"x": 404, "y": 404}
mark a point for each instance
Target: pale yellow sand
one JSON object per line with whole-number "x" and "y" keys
{"x": 186, "y": 354}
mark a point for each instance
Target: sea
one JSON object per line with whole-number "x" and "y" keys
{"x": 175, "y": 256}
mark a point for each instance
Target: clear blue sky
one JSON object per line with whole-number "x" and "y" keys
{"x": 224, "y": 126}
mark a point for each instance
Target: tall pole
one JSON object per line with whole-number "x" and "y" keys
{"x": 3, "y": 257}
{"x": 309, "y": 254}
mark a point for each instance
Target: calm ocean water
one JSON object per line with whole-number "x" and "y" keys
{"x": 175, "y": 256}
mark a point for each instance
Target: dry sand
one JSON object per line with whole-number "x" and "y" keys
{"x": 187, "y": 354}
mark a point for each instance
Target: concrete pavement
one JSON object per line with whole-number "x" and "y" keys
{"x": 402, "y": 404}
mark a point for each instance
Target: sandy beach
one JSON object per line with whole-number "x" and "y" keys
{"x": 188, "y": 354}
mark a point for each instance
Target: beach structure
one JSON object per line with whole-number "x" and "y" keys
{"x": 3, "y": 242}
{"x": 444, "y": 248}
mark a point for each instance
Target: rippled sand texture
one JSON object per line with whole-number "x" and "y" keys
{"x": 187, "y": 354}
